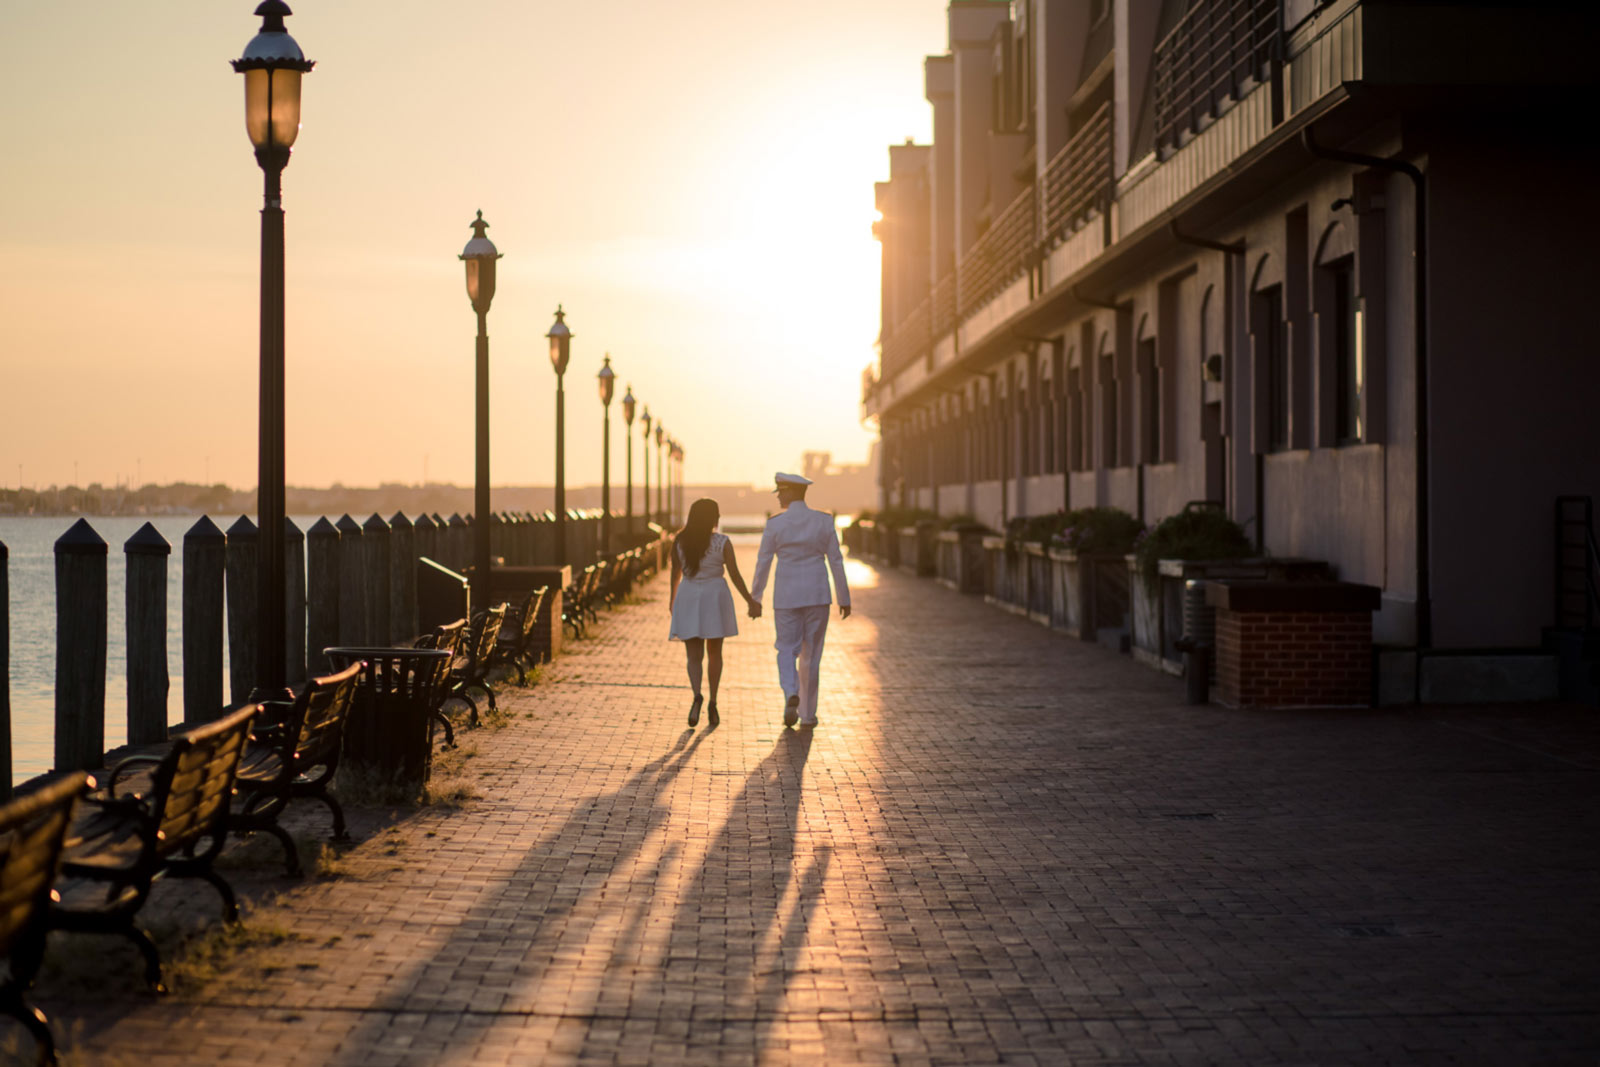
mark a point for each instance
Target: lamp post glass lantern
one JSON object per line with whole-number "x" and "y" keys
{"x": 272, "y": 65}
{"x": 480, "y": 257}
{"x": 607, "y": 379}
{"x": 560, "y": 337}
{"x": 628, "y": 405}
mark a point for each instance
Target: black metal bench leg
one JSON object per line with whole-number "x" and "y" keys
{"x": 38, "y": 1026}
{"x": 291, "y": 855}
{"x": 152, "y": 957}
{"x": 449, "y": 730}
{"x": 230, "y": 906}
{"x": 339, "y": 831}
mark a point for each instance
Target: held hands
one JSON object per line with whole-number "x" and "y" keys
{"x": 755, "y": 608}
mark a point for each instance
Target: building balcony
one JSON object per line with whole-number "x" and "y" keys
{"x": 1212, "y": 58}
{"x": 1078, "y": 181}
{"x": 1006, "y": 249}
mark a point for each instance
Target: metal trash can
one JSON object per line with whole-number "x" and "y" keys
{"x": 1199, "y": 642}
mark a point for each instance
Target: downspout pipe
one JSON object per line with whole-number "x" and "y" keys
{"x": 1236, "y": 248}
{"x": 1420, "y": 261}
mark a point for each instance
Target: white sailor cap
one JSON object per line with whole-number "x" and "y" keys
{"x": 781, "y": 479}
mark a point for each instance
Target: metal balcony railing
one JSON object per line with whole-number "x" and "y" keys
{"x": 1005, "y": 250}
{"x": 1078, "y": 179}
{"x": 1211, "y": 55}
{"x": 909, "y": 341}
{"x": 944, "y": 305}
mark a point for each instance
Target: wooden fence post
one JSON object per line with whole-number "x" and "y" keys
{"x": 352, "y": 584}
{"x": 424, "y": 537}
{"x": 80, "y": 648}
{"x": 146, "y": 616}
{"x": 204, "y": 563}
{"x": 5, "y": 673}
{"x": 375, "y": 534}
{"x": 402, "y": 579}
{"x": 460, "y": 541}
{"x": 322, "y": 593}
{"x": 294, "y": 601}
{"x": 244, "y": 607}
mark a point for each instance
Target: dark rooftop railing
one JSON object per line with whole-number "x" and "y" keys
{"x": 1211, "y": 56}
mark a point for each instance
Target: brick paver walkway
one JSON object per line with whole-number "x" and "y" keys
{"x": 999, "y": 846}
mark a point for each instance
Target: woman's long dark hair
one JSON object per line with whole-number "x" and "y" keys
{"x": 695, "y": 537}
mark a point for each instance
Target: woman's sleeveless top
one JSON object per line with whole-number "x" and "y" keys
{"x": 710, "y": 568}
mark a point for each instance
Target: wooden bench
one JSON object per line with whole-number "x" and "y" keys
{"x": 469, "y": 671}
{"x": 517, "y": 647}
{"x": 33, "y": 830}
{"x": 296, "y": 756}
{"x": 447, "y": 638}
{"x": 171, "y": 819}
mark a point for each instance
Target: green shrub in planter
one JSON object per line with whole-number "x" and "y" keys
{"x": 1193, "y": 533}
{"x": 1097, "y": 529}
{"x": 1032, "y": 529}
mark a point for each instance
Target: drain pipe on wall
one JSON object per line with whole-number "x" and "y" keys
{"x": 1420, "y": 284}
{"x": 1236, "y": 248}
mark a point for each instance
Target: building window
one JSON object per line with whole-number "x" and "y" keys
{"x": 1150, "y": 403}
{"x": 1274, "y": 364}
{"x": 1110, "y": 401}
{"x": 1075, "y": 423}
{"x": 1349, "y": 356}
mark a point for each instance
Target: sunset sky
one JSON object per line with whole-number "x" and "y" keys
{"x": 693, "y": 181}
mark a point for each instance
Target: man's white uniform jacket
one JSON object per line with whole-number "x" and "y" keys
{"x": 806, "y": 546}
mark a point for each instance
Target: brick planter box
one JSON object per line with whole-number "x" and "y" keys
{"x": 1293, "y": 644}
{"x": 1157, "y": 615}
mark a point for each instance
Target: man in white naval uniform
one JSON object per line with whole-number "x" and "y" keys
{"x": 807, "y": 547}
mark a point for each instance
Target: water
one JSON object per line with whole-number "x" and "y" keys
{"x": 31, "y": 541}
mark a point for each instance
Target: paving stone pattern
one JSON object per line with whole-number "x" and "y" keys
{"x": 999, "y": 846}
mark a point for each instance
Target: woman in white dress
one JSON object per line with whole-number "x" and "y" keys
{"x": 701, "y": 606}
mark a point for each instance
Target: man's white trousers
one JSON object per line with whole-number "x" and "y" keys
{"x": 800, "y": 635}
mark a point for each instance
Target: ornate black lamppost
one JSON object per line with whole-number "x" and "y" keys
{"x": 272, "y": 65}
{"x": 677, "y": 458}
{"x": 644, "y": 454}
{"x": 661, "y": 471}
{"x": 480, "y": 257}
{"x": 560, "y": 351}
{"x": 628, "y": 405}
{"x": 607, "y": 378}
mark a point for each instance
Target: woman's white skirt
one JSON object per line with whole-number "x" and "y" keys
{"x": 704, "y": 608}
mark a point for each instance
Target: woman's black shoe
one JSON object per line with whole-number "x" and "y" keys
{"x": 694, "y": 710}
{"x": 711, "y": 714}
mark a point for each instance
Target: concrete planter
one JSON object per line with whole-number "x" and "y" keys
{"x": 866, "y": 539}
{"x": 1038, "y": 591}
{"x": 1087, "y": 592}
{"x": 889, "y": 546}
{"x": 917, "y": 550}
{"x": 1007, "y": 577}
{"x": 961, "y": 560}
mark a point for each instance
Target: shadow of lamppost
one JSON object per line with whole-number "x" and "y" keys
{"x": 480, "y": 257}
{"x": 272, "y": 66}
